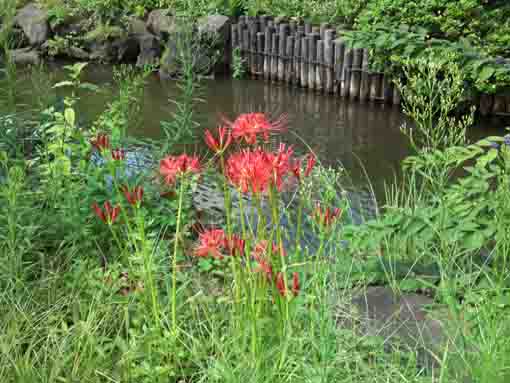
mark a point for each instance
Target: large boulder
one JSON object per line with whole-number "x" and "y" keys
{"x": 150, "y": 50}
{"x": 121, "y": 49}
{"x": 149, "y": 45}
{"x": 215, "y": 29}
{"x": 161, "y": 23}
{"x": 25, "y": 56}
{"x": 34, "y": 22}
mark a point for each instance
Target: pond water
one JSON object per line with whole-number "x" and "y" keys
{"x": 364, "y": 138}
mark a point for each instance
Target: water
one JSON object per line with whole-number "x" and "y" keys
{"x": 364, "y": 138}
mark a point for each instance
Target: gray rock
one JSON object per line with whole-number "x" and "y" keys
{"x": 78, "y": 53}
{"x": 34, "y": 22}
{"x": 115, "y": 50}
{"x": 25, "y": 56}
{"x": 150, "y": 50}
{"x": 403, "y": 321}
{"x": 216, "y": 29}
{"x": 161, "y": 23}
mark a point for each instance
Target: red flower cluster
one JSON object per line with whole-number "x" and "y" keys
{"x": 109, "y": 215}
{"x": 135, "y": 197}
{"x": 310, "y": 163}
{"x": 280, "y": 284}
{"x": 215, "y": 243}
{"x": 101, "y": 142}
{"x": 249, "y": 126}
{"x": 173, "y": 166}
{"x": 327, "y": 217}
{"x": 220, "y": 144}
{"x": 118, "y": 155}
{"x": 255, "y": 170}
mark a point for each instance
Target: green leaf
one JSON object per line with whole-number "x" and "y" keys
{"x": 62, "y": 84}
{"x": 70, "y": 116}
{"x": 486, "y": 73}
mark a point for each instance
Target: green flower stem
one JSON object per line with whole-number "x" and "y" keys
{"x": 174, "y": 259}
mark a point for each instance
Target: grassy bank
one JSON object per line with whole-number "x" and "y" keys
{"x": 110, "y": 274}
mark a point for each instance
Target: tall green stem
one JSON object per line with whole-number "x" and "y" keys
{"x": 174, "y": 259}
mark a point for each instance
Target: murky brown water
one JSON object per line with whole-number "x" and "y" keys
{"x": 339, "y": 131}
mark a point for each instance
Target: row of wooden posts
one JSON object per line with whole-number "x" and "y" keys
{"x": 316, "y": 57}
{"x": 313, "y": 57}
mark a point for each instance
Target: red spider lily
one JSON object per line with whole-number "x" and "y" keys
{"x": 310, "y": 163}
{"x": 311, "y": 160}
{"x": 235, "y": 245}
{"x": 280, "y": 284}
{"x": 212, "y": 243}
{"x": 255, "y": 170}
{"x": 135, "y": 197}
{"x": 250, "y": 125}
{"x": 261, "y": 249}
{"x": 118, "y": 155}
{"x": 173, "y": 166}
{"x": 327, "y": 217}
{"x": 260, "y": 256}
{"x": 220, "y": 144}
{"x": 109, "y": 215}
{"x": 101, "y": 142}
{"x": 295, "y": 284}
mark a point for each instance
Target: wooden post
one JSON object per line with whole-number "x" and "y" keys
{"x": 246, "y": 47}
{"x": 319, "y": 68}
{"x": 387, "y": 89}
{"x": 356, "y": 73}
{"x": 260, "y": 53}
{"x": 346, "y": 73}
{"x": 268, "y": 40}
{"x": 322, "y": 30}
{"x": 240, "y": 42}
{"x": 308, "y": 28}
{"x": 499, "y": 105}
{"x": 301, "y": 29}
{"x": 292, "y": 28}
{"x": 396, "y": 95}
{"x": 329, "y": 57}
{"x": 486, "y": 101}
{"x": 305, "y": 44}
{"x": 284, "y": 30}
{"x": 365, "y": 82}
{"x": 253, "y": 27}
{"x": 296, "y": 63}
{"x": 235, "y": 36}
{"x": 289, "y": 59}
{"x": 375, "y": 86}
{"x": 312, "y": 59}
{"x": 274, "y": 57}
{"x": 339, "y": 48}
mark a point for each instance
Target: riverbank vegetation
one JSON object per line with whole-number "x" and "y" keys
{"x": 110, "y": 272}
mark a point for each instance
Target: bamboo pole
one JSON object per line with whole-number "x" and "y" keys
{"x": 499, "y": 105}
{"x": 308, "y": 28}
